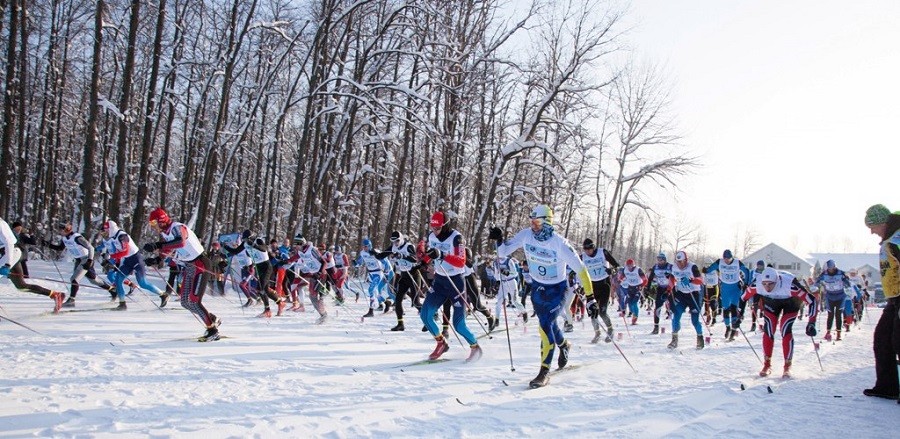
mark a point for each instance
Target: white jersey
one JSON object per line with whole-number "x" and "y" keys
{"x": 311, "y": 262}
{"x": 596, "y": 265}
{"x": 404, "y": 265}
{"x": 730, "y": 273}
{"x": 190, "y": 247}
{"x": 256, "y": 255}
{"x": 339, "y": 260}
{"x": 509, "y": 266}
{"x": 242, "y": 259}
{"x": 442, "y": 267}
{"x": 632, "y": 277}
{"x": 711, "y": 279}
{"x": 329, "y": 260}
{"x": 682, "y": 273}
{"x": 11, "y": 253}
{"x": 73, "y": 248}
{"x": 373, "y": 265}
{"x": 547, "y": 260}
{"x": 114, "y": 246}
{"x": 782, "y": 288}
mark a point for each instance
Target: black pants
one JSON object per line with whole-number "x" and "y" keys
{"x": 405, "y": 286}
{"x": 886, "y": 344}
{"x": 17, "y": 276}
{"x": 474, "y": 298}
{"x": 835, "y": 308}
{"x": 601, "y": 295}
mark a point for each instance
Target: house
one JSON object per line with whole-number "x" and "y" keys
{"x": 865, "y": 263}
{"x": 781, "y": 259}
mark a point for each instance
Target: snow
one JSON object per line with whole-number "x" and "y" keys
{"x": 139, "y": 373}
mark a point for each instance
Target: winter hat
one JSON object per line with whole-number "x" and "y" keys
{"x": 629, "y": 263}
{"x": 587, "y": 244}
{"x": 366, "y": 242}
{"x": 661, "y": 256}
{"x": 16, "y": 224}
{"x": 877, "y": 214}
{"x": 830, "y": 263}
{"x": 680, "y": 255}
{"x": 727, "y": 254}
{"x": 438, "y": 219}
{"x": 760, "y": 263}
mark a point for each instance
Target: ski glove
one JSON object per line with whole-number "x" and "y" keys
{"x": 4, "y": 270}
{"x": 811, "y": 329}
{"x": 150, "y": 247}
{"x": 246, "y": 234}
{"x": 434, "y": 253}
{"x": 495, "y": 234}
{"x": 593, "y": 308}
{"x": 88, "y": 264}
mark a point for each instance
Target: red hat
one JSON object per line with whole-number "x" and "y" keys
{"x": 438, "y": 219}
{"x": 160, "y": 216}
{"x": 630, "y": 262}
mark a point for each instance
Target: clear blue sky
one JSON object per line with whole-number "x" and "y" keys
{"x": 794, "y": 108}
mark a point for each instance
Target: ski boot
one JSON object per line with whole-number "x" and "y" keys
{"x": 787, "y": 370}
{"x": 121, "y": 307}
{"x": 634, "y": 321}
{"x": 248, "y": 304}
{"x": 838, "y": 338}
{"x": 474, "y": 354}
{"x": 655, "y": 330}
{"x": 322, "y": 318}
{"x": 542, "y": 378}
{"x": 212, "y": 334}
{"x": 700, "y": 344}
{"x": 380, "y": 307}
{"x": 424, "y": 328}
{"x": 492, "y": 323}
{"x": 596, "y": 338}
{"x": 387, "y": 306}
{"x": 767, "y": 367}
{"x": 113, "y": 297}
{"x": 609, "y": 334}
{"x": 69, "y": 303}
{"x": 753, "y": 327}
{"x": 57, "y": 297}
{"x": 163, "y": 300}
{"x": 281, "y": 305}
{"x": 727, "y": 333}
{"x": 439, "y": 349}
{"x": 399, "y": 327}
{"x": 525, "y": 317}
{"x": 674, "y": 343}
{"x": 563, "y": 358}
{"x": 827, "y": 336}
{"x": 733, "y": 335}
{"x": 266, "y": 314}
{"x": 568, "y": 327}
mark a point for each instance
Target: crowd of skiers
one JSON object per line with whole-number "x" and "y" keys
{"x": 440, "y": 277}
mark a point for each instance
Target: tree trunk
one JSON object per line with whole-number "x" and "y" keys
{"x": 6, "y": 147}
{"x": 88, "y": 185}
{"x": 115, "y": 205}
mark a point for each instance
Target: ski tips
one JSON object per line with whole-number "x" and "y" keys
{"x": 743, "y": 387}
{"x": 769, "y": 389}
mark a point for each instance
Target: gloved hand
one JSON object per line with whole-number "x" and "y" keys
{"x": 4, "y": 270}
{"x": 151, "y": 247}
{"x": 811, "y": 329}
{"x": 621, "y": 313}
{"x": 495, "y": 234}
{"x": 434, "y": 253}
{"x": 88, "y": 264}
{"x": 593, "y": 308}
{"x": 105, "y": 263}
{"x": 246, "y": 234}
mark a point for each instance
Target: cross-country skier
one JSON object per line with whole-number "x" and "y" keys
{"x": 506, "y": 270}
{"x": 711, "y": 298}
{"x": 598, "y": 262}
{"x": 659, "y": 280}
{"x": 755, "y": 301}
{"x": 341, "y": 268}
{"x": 257, "y": 251}
{"x": 548, "y": 254}
{"x": 732, "y": 274}
{"x": 375, "y": 272}
{"x": 23, "y": 241}
{"x": 634, "y": 280}
{"x": 312, "y": 269}
{"x": 833, "y": 281}
{"x": 448, "y": 255}
{"x": 686, "y": 283}
{"x": 473, "y": 299}
{"x": 11, "y": 267}
{"x": 403, "y": 253}
{"x": 125, "y": 258}
{"x": 783, "y": 295}
{"x": 82, "y": 253}
{"x": 181, "y": 244}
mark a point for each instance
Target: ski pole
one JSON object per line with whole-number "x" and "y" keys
{"x": 816, "y": 349}
{"x": 512, "y": 368}
{"x": 623, "y": 356}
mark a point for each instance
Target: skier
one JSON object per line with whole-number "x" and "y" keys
{"x": 506, "y": 270}
{"x": 341, "y": 267}
{"x": 82, "y": 254}
{"x": 833, "y": 281}
{"x": 181, "y": 244}
{"x": 312, "y": 269}
{"x": 711, "y": 298}
{"x": 783, "y": 294}
{"x": 404, "y": 253}
{"x": 548, "y": 255}
{"x": 256, "y": 250}
{"x": 473, "y": 299}
{"x": 660, "y": 277}
{"x": 376, "y": 275}
{"x": 448, "y": 255}
{"x": 859, "y": 285}
{"x": 732, "y": 273}
{"x": 755, "y": 301}
{"x": 634, "y": 280}
{"x": 124, "y": 259}
{"x": 598, "y": 262}
{"x": 886, "y": 338}
{"x": 686, "y": 283}
{"x": 11, "y": 267}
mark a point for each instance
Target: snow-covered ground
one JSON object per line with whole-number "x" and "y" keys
{"x": 140, "y": 373}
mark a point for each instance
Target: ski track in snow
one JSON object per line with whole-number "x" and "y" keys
{"x": 140, "y": 373}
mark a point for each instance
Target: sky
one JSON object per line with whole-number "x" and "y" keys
{"x": 793, "y": 108}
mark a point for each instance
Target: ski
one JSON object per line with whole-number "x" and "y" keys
{"x": 422, "y": 363}
{"x": 492, "y": 333}
{"x": 204, "y": 340}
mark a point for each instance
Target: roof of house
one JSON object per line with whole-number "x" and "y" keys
{"x": 772, "y": 247}
{"x": 845, "y": 261}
